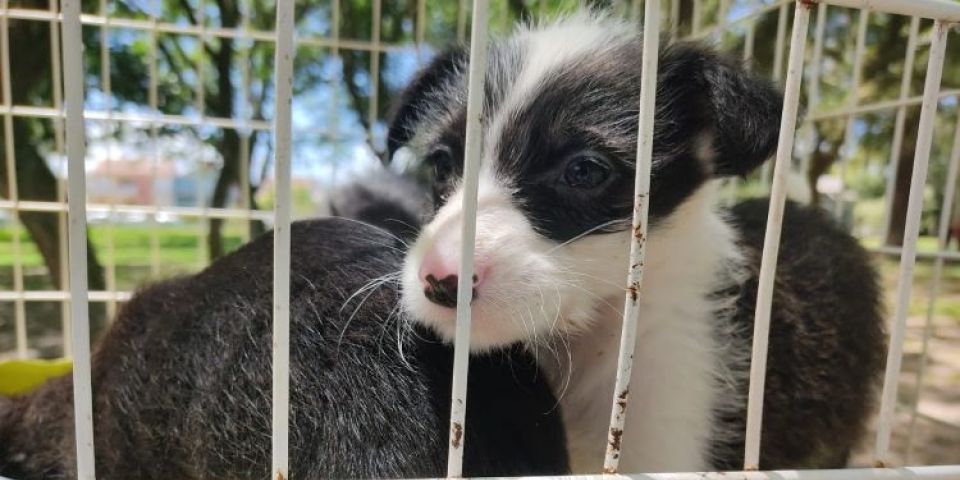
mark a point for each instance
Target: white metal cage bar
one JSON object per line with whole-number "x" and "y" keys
{"x": 77, "y": 236}
{"x": 771, "y": 242}
{"x": 76, "y": 209}
{"x": 471, "y": 180}
{"x": 641, "y": 203}
{"x": 283, "y": 83}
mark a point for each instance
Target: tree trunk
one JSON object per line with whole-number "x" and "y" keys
{"x": 229, "y": 144}
{"x": 901, "y": 189}
{"x": 229, "y": 149}
{"x": 36, "y": 182}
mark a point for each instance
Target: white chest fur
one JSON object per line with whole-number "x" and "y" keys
{"x": 680, "y": 360}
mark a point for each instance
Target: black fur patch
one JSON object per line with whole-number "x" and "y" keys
{"x": 827, "y": 343}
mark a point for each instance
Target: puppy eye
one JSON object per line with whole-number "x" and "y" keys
{"x": 586, "y": 170}
{"x": 442, "y": 160}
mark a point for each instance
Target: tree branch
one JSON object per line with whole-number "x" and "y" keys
{"x": 185, "y": 6}
{"x": 356, "y": 96}
{"x": 170, "y": 60}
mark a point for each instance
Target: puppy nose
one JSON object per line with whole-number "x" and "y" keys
{"x": 440, "y": 281}
{"x": 443, "y": 291}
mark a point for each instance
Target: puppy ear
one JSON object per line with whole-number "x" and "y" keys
{"x": 409, "y": 107}
{"x": 740, "y": 111}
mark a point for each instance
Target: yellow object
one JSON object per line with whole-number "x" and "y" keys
{"x": 22, "y": 376}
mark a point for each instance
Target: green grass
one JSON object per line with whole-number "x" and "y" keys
{"x": 948, "y": 300}
{"x": 139, "y": 253}
{"x": 924, "y": 244}
{"x": 132, "y": 244}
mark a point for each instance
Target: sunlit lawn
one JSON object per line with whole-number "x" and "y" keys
{"x": 137, "y": 251}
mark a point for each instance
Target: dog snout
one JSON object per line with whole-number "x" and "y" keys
{"x": 440, "y": 277}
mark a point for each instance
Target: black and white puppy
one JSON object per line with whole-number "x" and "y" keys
{"x": 552, "y": 244}
{"x": 182, "y": 380}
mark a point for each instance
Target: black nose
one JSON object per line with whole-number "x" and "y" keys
{"x": 444, "y": 292}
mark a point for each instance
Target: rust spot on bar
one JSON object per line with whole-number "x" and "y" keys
{"x": 609, "y": 471}
{"x": 615, "y": 435}
{"x": 622, "y": 400}
{"x": 880, "y": 464}
{"x": 634, "y": 290}
{"x": 638, "y": 233}
{"x": 809, "y": 3}
{"x": 457, "y": 435}
{"x": 280, "y": 476}
{"x": 751, "y": 468}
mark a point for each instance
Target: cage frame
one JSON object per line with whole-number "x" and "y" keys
{"x": 70, "y": 136}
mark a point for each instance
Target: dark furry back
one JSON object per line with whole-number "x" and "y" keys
{"x": 827, "y": 341}
{"x": 182, "y": 380}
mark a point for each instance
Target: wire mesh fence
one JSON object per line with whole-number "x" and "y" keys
{"x": 188, "y": 146}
